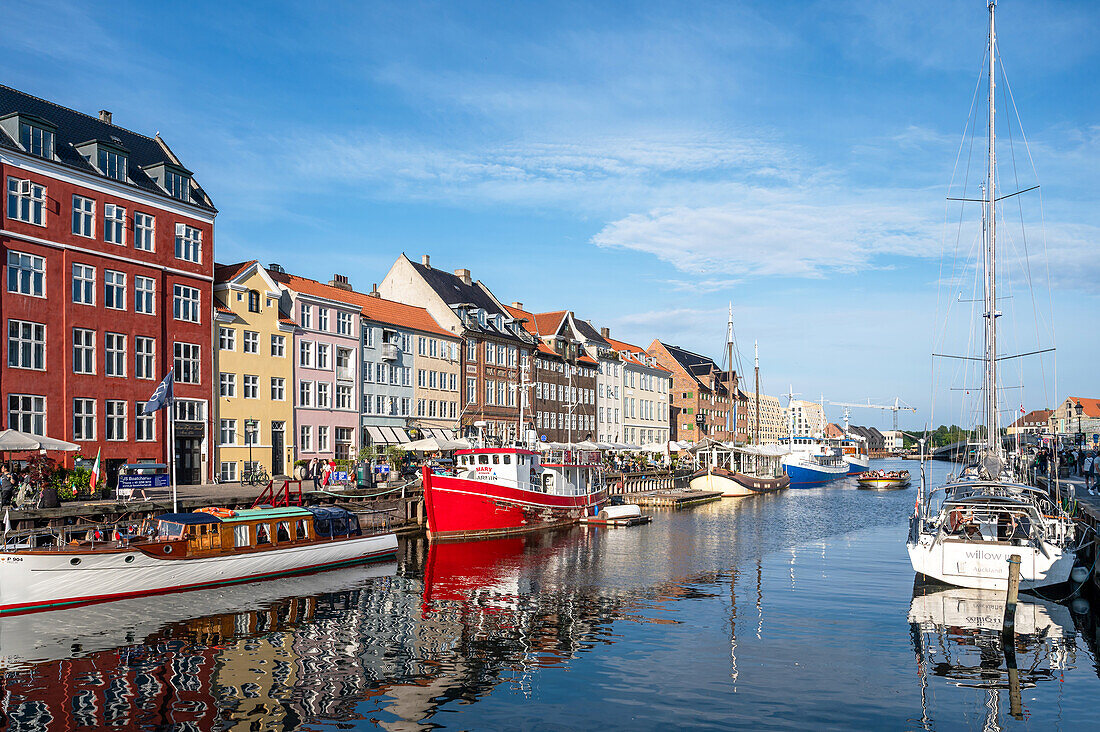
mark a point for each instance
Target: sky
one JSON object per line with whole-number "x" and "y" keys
{"x": 642, "y": 164}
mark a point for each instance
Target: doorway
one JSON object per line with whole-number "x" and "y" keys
{"x": 277, "y": 449}
{"x": 188, "y": 461}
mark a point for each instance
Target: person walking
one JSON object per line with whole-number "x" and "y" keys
{"x": 7, "y": 486}
{"x": 315, "y": 473}
{"x": 1086, "y": 468}
{"x": 1094, "y": 473}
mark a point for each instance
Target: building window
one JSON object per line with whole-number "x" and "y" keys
{"x": 83, "y": 284}
{"x": 112, "y": 164}
{"x": 185, "y": 303}
{"x": 227, "y": 385}
{"x": 251, "y": 342}
{"x": 188, "y": 243}
{"x": 27, "y": 413}
{"x": 227, "y": 431}
{"x": 145, "y": 289}
{"x": 26, "y": 345}
{"x": 322, "y": 356}
{"x": 186, "y": 363}
{"x": 368, "y": 403}
{"x": 380, "y": 404}
{"x": 251, "y": 386}
{"x": 368, "y": 334}
{"x": 343, "y": 323}
{"x": 253, "y": 301}
{"x": 471, "y": 390}
{"x": 145, "y": 350}
{"x": 26, "y": 274}
{"x": 84, "y": 217}
{"x": 322, "y": 324}
{"x": 114, "y": 224}
{"x": 305, "y": 354}
{"x": 26, "y": 201}
{"x": 278, "y": 346}
{"x": 307, "y": 316}
{"x": 322, "y": 438}
{"x": 144, "y": 232}
{"x": 323, "y": 400}
{"x": 343, "y": 396}
{"x": 406, "y": 403}
{"x": 471, "y": 349}
{"x": 278, "y": 389}
{"x": 114, "y": 347}
{"x": 83, "y": 351}
{"x": 489, "y": 393}
{"x": 305, "y": 441}
{"x": 36, "y": 140}
{"x": 114, "y": 289}
{"x": 114, "y": 418}
{"x": 229, "y": 475}
{"x": 84, "y": 420}
{"x": 420, "y": 407}
{"x": 145, "y": 425}
{"x": 227, "y": 339}
{"x": 177, "y": 185}
{"x": 305, "y": 393}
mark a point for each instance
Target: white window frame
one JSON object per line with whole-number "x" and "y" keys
{"x": 227, "y": 385}
{"x": 278, "y": 388}
{"x": 187, "y": 362}
{"x": 114, "y": 422}
{"x": 84, "y": 419}
{"x": 278, "y": 346}
{"x": 29, "y": 412}
{"x": 186, "y": 303}
{"x": 26, "y": 274}
{"x": 28, "y": 345}
{"x": 114, "y": 357}
{"x": 84, "y": 216}
{"x": 83, "y": 284}
{"x": 114, "y": 224}
{"x": 145, "y": 360}
{"x": 145, "y": 232}
{"x": 145, "y": 295}
{"x": 250, "y": 342}
{"x": 250, "y": 386}
{"x": 86, "y": 346}
{"x": 188, "y": 243}
{"x": 114, "y": 282}
{"x": 26, "y": 201}
{"x": 145, "y": 425}
{"x": 227, "y": 339}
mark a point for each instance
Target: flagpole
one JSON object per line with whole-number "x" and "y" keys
{"x": 172, "y": 449}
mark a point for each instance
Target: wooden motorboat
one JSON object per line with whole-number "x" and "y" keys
{"x": 883, "y": 479}
{"x": 186, "y": 551}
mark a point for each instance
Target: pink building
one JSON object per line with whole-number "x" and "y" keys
{"x": 326, "y": 351}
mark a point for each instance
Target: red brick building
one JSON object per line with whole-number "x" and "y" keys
{"x": 699, "y": 401}
{"x": 108, "y": 254}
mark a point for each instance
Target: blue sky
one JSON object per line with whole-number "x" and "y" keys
{"x": 640, "y": 163}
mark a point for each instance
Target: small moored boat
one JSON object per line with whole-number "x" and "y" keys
{"x": 186, "y": 551}
{"x": 885, "y": 479}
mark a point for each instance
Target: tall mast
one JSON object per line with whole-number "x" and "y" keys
{"x": 992, "y": 428}
{"x": 732, "y": 388}
{"x": 756, "y": 369}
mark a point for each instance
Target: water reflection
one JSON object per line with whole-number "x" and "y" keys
{"x": 956, "y": 636}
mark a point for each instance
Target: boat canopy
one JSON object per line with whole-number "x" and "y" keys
{"x": 333, "y": 521}
{"x": 254, "y": 514}
{"x": 763, "y": 450}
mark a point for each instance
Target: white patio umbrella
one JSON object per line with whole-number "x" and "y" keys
{"x": 428, "y": 444}
{"x": 16, "y": 441}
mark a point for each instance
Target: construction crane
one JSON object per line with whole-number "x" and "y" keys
{"x": 897, "y": 406}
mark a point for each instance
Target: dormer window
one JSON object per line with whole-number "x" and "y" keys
{"x": 112, "y": 163}
{"x": 35, "y": 135}
{"x": 37, "y": 140}
{"x": 176, "y": 181}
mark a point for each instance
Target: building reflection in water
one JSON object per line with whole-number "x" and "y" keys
{"x": 956, "y": 636}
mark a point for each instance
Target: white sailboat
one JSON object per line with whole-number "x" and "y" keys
{"x": 986, "y": 515}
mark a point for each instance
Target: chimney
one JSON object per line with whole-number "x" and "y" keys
{"x": 105, "y": 116}
{"x": 464, "y": 275}
{"x": 276, "y": 268}
{"x": 605, "y": 332}
{"x": 426, "y": 260}
{"x": 374, "y": 291}
{"x": 340, "y": 281}
{"x": 517, "y": 305}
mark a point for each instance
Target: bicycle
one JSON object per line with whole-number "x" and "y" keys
{"x": 258, "y": 476}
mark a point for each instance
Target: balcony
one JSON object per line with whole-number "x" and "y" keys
{"x": 390, "y": 352}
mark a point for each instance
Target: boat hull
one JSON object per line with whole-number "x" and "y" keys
{"x": 984, "y": 565}
{"x": 807, "y": 476}
{"x": 735, "y": 484}
{"x": 39, "y": 581}
{"x": 883, "y": 483}
{"x": 857, "y": 463}
{"x": 458, "y": 508}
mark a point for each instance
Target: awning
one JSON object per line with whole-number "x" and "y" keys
{"x": 387, "y": 435}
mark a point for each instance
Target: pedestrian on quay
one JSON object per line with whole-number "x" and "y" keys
{"x": 1086, "y": 468}
{"x": 1094, "y": 473}
{"x": 7, "y": 486}
{"x": 315, "y": 473}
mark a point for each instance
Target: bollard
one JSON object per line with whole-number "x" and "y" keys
{"x": 1008, "y": 625}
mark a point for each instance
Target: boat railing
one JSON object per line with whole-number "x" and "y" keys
{"x": 583, "y": 458}
{"x": 1041, "y": 527}
{"x": 56, "y": 537}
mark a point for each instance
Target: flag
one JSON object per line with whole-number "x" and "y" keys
{"x": 162, "y": 395}
{"x": 95, "y": 470}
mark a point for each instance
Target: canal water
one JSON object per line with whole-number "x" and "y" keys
{"x": 786, "y": 611}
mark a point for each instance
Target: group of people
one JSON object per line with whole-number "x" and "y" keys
{"x": 320, "y": 471}
{"x": 10, "y": 482}
{"x": 1078, "y": 461}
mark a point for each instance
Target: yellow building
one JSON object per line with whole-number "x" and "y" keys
{"x": 772, "y": 426}
{"x": 253, "y": 373}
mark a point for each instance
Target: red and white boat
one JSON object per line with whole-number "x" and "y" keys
{"x": 511, "y": 490}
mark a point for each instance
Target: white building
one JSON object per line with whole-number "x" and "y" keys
{"x": 805, "y": 418}
{"x": 644, "y": 400}
{"x": 893, "y": 440}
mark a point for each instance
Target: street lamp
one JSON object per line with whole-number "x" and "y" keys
{"x": 1079, "y": 409}
{"x": 249, "y": 425}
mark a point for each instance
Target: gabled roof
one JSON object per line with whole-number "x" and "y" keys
{"x": 632, "y": 352}
{"x": 1091, "y": 406}
{"x": 452, "y": 290}
{"x": 221, "y": 307}
{"x": 76, "y": 128}
{"x": 587, "y": 331}
{"x": 376, "y": 309}
{"x": 549, "y": 323}
{"x": 1035, "y": 415}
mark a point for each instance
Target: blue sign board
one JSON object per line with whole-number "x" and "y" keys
{"x": 140, "y": 482}
{"x": 542, "y": 438}
{"x": 338, "y": 475}
{"x": 383, "y": 469}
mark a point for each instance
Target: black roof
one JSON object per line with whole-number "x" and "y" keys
{"x": 590, "y": 334}
{"x": 456, "y": 293}
{"x": 696, "y": 364}
{"x": 76, "y": 128}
